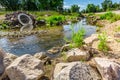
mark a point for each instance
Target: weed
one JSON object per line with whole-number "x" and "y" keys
{"x": 117, "y": 29}
{"x": 77, "y": 37}
{"x": 64, "y": 56}
{"x": 118, "y": 40}
{"x": 110, "y": 16}
{"x": 103, "y": 42}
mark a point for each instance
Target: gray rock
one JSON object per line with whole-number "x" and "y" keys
{"x": 8, "y": 59}
{"x": 91, "y": 39}
{"x": 77, "y": 55}
{"x": 2, "y": 68}
{"x": 117, "y": 35}
{"x": 25, "y": 67}
{"x": 108, "y": 69}
{"x": 74, "y": 71}
{"x": 40, "y": 55}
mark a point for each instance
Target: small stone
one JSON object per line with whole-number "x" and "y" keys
{"x": 54, "y": 50}
{"x": 117, "y": 35}
{"x": 40, "y": 55}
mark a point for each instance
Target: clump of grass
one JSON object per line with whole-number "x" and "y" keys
{"x": 117, "y": 29}
{"x": 55, "y": 20}
{"x": 118, "y": 40}
{"x": 78, "y": 37}
{"x": 3, "y": 26}
{"x": 103, "y": 42}
{"x": 64, "y": 56}
{"x": 110, "y": 16}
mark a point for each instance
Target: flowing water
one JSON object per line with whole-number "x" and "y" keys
{"x": 35, "y": 43}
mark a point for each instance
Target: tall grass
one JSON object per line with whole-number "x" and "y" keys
{"x": 78, "y": 37}
{"x": 103, "y": 42}
{"x": 110, "y": 16}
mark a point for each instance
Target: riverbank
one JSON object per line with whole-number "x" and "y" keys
{"x": 9, "y": 20}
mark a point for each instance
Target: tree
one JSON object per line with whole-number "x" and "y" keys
{"x": 116, "y": 6}
{"x": 107, "y": 5}
{"x": 75, "y": 8}
{"x": 56, "y": 5}
{"x": 91, "y": 8}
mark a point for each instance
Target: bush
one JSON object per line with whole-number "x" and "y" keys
{"x": 110, "y": 16}
{"x": 103, "y": 42}
{"x": 78, "y": 37}
{"x": 55, "y": 20}
{"x": 3, "y": 26}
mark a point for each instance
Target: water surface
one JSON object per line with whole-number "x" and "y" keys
{"x": 35, "y": 43}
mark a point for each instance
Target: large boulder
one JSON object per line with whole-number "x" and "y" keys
{"x": 8, "y": 59}
{"x": 25, "y": 67}
{"x": 74, "y": 71}
{"x": 2, "y": 68}
{"x": 109, "y": 69}
{"x": 76, "y": 55}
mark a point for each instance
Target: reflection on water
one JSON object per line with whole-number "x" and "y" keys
{"x": 35, "y": 43}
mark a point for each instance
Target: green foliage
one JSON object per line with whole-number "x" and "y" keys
{"x": 118, "y": 40}
{"x": 3, "y": 26}
{"x": 107, "y": 5}
{"x": 103, "y": 42}
{"x": 40, "y": 18}
{"x": 64, "y": 56}
{"x": 75, "y": 8}
{"x": 117, "y": 29}
{"x": 77, "y": 37}
{"x": 55, "y": 20}
{"x": 93, "y": 8}
{"x": 33, "y": 5}
{"x": 110, "y": 16}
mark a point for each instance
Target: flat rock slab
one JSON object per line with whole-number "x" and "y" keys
{"x": 25, "y": 67}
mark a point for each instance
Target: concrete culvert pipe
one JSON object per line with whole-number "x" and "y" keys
{"x": 27, "y": 27}
{"x": 24, "y": 19}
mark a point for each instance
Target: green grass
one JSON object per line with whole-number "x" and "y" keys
{"x": 103, "y": 42}
{"x": 117, "y": 29}
{"x": 118, "y": 40}
{"x": 55, "y": 20}
{"x": 78, "y": 37}
{"x": 112, "y": 17}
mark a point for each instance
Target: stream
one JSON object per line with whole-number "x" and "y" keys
{"x": 35, "y": 43}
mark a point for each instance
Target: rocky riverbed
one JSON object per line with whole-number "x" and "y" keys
{"x": 86, "y": 63}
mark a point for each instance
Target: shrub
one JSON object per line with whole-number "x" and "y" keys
{"x": 77, "y": 37}
{"x": 3, "y": 26}
{"x": 103, "y": 42}
{"x": 110, "y": 16}
{"x": 55, "y": 20}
